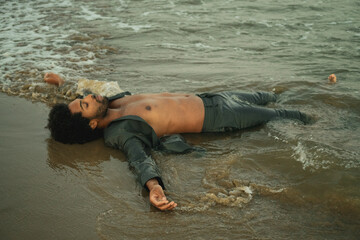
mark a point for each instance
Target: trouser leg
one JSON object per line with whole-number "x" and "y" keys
{"x": 223, "y": 113}
{"x": 249, "y": 116}
{"x": 258, "y": 98}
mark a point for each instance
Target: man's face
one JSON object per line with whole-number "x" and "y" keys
{"x": 91, "y": 107}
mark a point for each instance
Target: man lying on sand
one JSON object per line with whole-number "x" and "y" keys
{"x": 136, "y": 123}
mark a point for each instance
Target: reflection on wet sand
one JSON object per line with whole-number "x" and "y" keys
{"x": 80, "y": 156}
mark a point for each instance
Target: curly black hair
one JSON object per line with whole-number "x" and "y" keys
{"x": 70, "y": 128}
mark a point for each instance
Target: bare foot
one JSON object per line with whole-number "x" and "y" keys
{"x": 53, "y": 78}
{"x": 332, "y": 78}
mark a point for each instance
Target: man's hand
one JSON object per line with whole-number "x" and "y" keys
{"x": 53, "y": 78}
{"x": 157, "y": 196}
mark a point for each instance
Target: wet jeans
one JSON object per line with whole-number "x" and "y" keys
{"x": 227, "y": 111}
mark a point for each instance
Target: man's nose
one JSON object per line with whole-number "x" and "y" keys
{"x": 91, "y": 96}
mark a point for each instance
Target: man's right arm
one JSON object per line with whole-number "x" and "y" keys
{"x": 53, "y": 78}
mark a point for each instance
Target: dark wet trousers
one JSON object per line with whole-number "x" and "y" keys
{"x": 227, "y": 111}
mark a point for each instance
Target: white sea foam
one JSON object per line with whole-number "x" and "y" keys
{"x": 148, "y": 13}
{"x": 64, "y": 3}
{"x": 309, "y": 159}
{"x": 135, "y": 28}
{"x": 89, "y": 15}
{"x": 30, "y": 40}
{"x": 201, "y": 45}
{"x": 266, "y": 23}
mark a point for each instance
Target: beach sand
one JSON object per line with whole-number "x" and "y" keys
{"x": 39, "y": 199}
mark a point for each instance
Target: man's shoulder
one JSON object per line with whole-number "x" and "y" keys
{"x": 119, "y": 95}
{"x": 126, "y": 127}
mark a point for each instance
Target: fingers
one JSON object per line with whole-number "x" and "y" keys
{"x": 46, "y": 76}
{"x": 168, "y": 206}
{"x": 163, "y": 204}
{"x": 172, "y": 206}
{"x": 53, "y": 78}
{"x": 158, "y": 203}
{"x": 49, "y": 75}
{"x": 159, "y": 200}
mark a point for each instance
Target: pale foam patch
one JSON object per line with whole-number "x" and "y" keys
{"x": 310, "y": 158}
{"x": 135, "y": 28}
{"x": 313, "y": 146}
{"x": 323, "y": 157}
{"x": 98, "y": 87}
{"x": 237, "y": 194}
{"x": 89, "y": 15}
{"x": 221, "y": 189}
{"x": 236, "y": 197}
{"x": 183, "y": 47}
{"x": 307, "y": 158}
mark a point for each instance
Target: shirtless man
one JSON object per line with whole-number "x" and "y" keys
{"x": 124, "y": 121}
{"x": 166, "y": 113}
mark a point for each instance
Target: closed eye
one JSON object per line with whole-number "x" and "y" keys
{"x": 83, "y": 105}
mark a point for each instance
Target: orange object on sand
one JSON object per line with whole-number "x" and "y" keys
{"x": 332, "y": 78}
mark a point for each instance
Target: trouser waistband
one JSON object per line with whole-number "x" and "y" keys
{"x": 211, "y": 107}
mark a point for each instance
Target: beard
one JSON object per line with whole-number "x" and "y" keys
{"x": 103, "y": 108}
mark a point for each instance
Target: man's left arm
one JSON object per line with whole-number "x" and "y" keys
{"x": 148, "y": 173}
{"x": 144, "y": 167}
{"x": 157, "y": 196}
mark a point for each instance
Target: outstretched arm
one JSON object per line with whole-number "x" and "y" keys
{"x": 125, "y": 135}
{"x": 148, "y": 173}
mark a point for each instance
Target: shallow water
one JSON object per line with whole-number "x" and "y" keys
{"x": 283, "y": 180}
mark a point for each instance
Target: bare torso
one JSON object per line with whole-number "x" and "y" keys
{"x": 166, "y": 113}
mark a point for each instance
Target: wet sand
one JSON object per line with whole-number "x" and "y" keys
{"x": 37, "y": 202}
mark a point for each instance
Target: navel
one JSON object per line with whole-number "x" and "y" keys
{"x": 148, "y": 108}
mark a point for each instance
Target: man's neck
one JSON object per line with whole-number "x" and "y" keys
{"x": 111, "y": 115}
